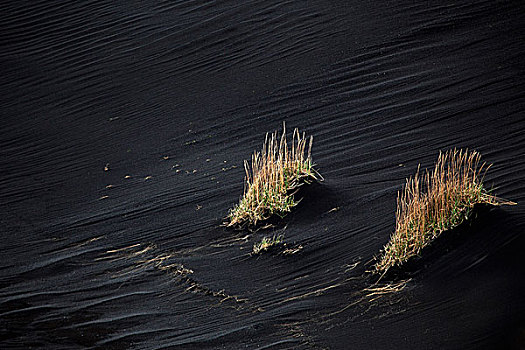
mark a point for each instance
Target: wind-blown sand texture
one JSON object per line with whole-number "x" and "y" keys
{"x": 124, "y": 126}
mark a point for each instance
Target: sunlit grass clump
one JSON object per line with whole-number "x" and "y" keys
{"x": 266, "y": 243}
{"x": 434, "y": 202}
{"x": 273, "y": 178}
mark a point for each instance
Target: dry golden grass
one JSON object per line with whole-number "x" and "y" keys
{"x": 275, "y": 175}
{"x": 435, "y": 202}
{"x": 266, "y": 243}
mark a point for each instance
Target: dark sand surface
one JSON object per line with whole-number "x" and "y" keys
{"x": 173, "y": 96}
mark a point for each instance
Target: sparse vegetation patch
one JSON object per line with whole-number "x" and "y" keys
{"x": 266, "y": 243}
{"x": 275, "y": 175}
{"x": 434, "y": 202}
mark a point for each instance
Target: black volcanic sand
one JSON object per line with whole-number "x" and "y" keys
{"x": 124, "y": 130}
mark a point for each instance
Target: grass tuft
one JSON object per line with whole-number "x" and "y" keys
{"x": 434, "y": 202}
{"x": 266, "y": 243}
{"x": 274, "y": 177}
